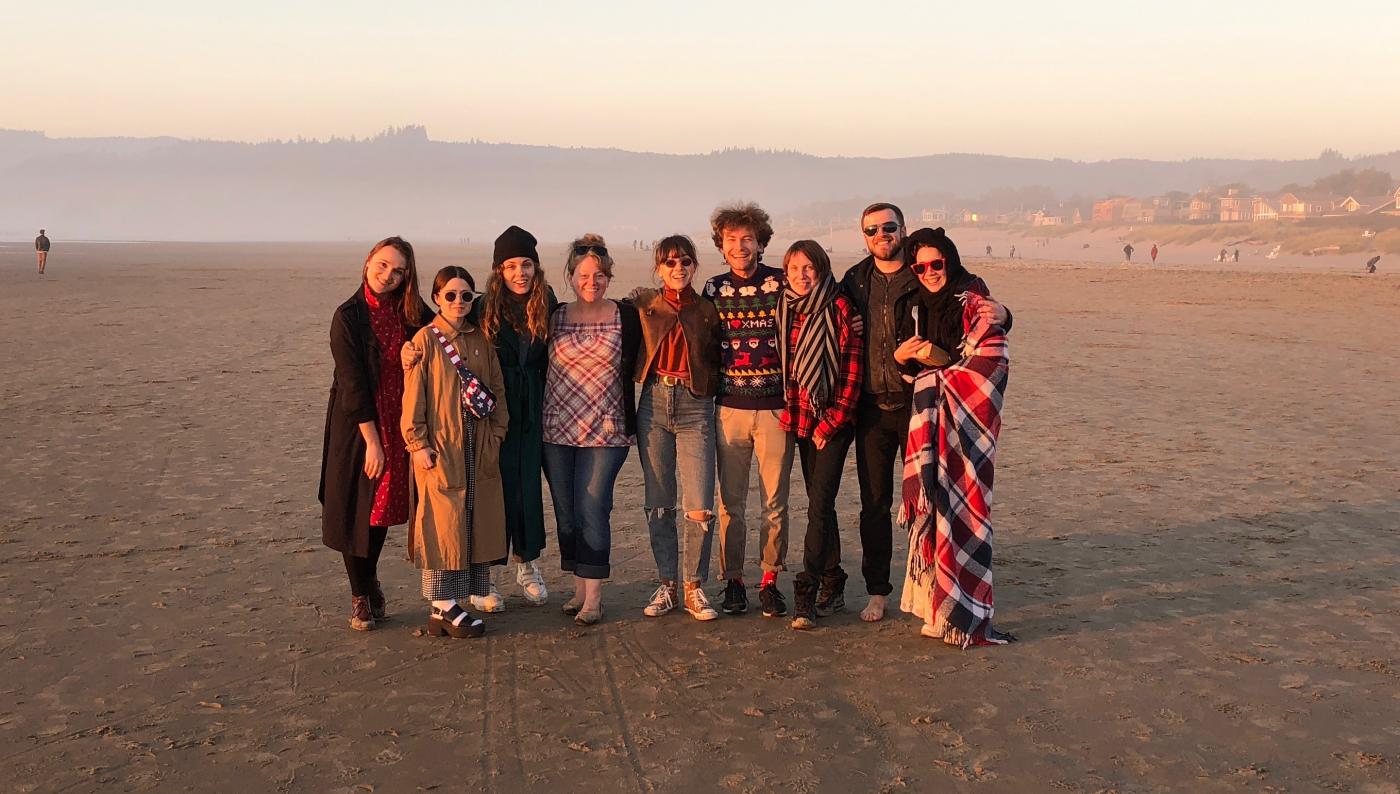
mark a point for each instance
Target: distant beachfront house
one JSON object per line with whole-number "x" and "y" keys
{"x": 1109, "y": 210}
{"x": 968, "y": 217}
{"x": 1366, "y": 205}
{"x": 1394, "y": 207}
{"x": 1131, "y": 211}
{"x": 1350, "y": 204}
{"x": 935, "y": 216}
{"x": 1235, "y": 208}
{"x": 1263, "y": 208}
{"x": 1297, "y": 207}
{"x": 1042, "y": 218}
{"x": 1199, "y": 209}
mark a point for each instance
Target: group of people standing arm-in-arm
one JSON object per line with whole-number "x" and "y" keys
{"x": 449, "y": 422}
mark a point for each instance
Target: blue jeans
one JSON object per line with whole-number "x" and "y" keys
{"x": 676, "y": 440}
{"x": 581, "y": 485}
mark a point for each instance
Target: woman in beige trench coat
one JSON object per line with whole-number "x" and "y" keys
{"x": 457, "y": 529}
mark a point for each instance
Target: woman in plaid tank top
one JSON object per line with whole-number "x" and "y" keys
{"x": 589, "y": 419}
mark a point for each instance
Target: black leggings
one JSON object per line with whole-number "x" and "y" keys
{"x": 363, "y": 571}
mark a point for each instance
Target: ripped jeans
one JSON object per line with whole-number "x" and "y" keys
{"x": 676, "y": 439}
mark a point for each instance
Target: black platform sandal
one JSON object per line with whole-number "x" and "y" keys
{"x": 455, "y": 622}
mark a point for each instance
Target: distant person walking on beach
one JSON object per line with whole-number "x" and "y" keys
{"x": 1224, "y": 256}
{"x": 949, "y": 456}
{"x": 1237, "y": 254}
{"x": 1128, "y": 252}
{"x": 454, "y": 421}
{"x": 1013, "y": 252}
{"x": 989, "y": 250}
{"x": 1153, "y": 253}
{"x": 41, "y": 247}
{"x": 364, "y": 468}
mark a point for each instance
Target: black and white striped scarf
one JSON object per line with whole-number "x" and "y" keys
{"x": 816, "y": 354}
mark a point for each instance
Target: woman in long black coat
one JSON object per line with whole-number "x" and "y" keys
{"x": 514, "y": 313}
{"x": 365, "y": 478}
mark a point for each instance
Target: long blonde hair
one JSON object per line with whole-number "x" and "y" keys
{"x": 536, "y": 306}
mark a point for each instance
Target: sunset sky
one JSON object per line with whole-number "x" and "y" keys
{"x": 1089, "y": 80}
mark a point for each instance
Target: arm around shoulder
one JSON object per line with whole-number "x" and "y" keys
{"x": 413, "y": 418}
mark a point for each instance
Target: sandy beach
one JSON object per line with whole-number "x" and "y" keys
{"x": 1198, "y": 546}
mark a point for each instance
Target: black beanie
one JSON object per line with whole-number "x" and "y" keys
{"x": 514, "y": 242}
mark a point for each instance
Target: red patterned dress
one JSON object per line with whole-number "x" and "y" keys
{"x": 391, "y": 496}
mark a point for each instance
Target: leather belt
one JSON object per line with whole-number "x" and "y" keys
{"x": 668, "y": 380}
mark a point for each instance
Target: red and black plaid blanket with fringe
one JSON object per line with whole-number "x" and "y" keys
{"x": 948, "y": 472}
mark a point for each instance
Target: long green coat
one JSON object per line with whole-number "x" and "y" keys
{"x": 523, "y": 363}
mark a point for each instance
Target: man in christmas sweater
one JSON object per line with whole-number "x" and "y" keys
{"x": 749, "y": 404}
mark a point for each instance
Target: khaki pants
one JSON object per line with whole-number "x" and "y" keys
{"x": 741, "y": 435}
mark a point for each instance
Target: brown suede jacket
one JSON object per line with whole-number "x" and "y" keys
{"x": 700, "y": 324}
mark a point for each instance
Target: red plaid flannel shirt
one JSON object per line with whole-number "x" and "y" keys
{"x": 797, "y": 414}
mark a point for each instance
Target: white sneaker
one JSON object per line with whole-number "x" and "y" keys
{"x": 662, "y": 601}
{"x": 527, "y": 575}
{"x": 491, "y": 602}
{"x": 698, "y": 604}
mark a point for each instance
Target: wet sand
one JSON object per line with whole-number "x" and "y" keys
{"x": 1198, "y": 545}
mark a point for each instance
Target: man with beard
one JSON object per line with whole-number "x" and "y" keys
{"x": 884, "y": 290}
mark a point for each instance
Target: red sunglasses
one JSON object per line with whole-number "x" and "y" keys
{"x": 919, "y": 267}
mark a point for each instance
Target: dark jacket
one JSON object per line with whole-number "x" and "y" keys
{"x": 631, "y": 345}
{"x": 345, "y": 493}
{"x": 856, "y": 285}
{"x": 524, "y": 361}
{"x": 700, "y": 324}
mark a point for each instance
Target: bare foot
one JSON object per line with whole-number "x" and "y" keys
{"x": 874, "y": 609}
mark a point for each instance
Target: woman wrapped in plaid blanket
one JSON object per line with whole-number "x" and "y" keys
{"x": 960, "y": 352}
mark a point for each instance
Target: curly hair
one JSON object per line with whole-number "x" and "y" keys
{"x": 741, "y": 216}
{"x": 405, "y": 298}
{"x": 536, "y": 306}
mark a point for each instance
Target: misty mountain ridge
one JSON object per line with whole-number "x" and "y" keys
{"x": 403, "y": 182}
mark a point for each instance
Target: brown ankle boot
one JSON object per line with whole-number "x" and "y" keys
{"x": 361, "y": 618}
{"x": 376, "y": 602}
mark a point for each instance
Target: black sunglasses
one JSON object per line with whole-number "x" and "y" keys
{"x": 450, "y": 296}
{"x": 888, "y": 227}
{"x": 600, "y": 250}
{"x": 684, "y": 261}
{"x": 919, "y": 267}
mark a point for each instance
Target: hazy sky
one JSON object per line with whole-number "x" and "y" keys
{"x": 1085, "y": 80}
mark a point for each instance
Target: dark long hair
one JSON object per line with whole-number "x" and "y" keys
{"x": 447, "y": 274}
{"x": 405, "y": 299}
{"x": 536, "y": 314}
